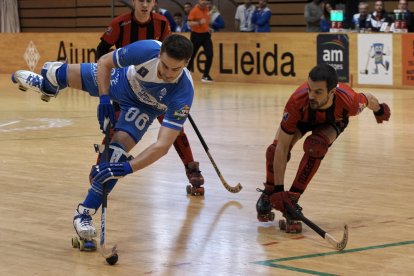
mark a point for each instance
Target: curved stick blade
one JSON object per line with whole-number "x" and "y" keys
{"x": 108, "y": 253}
{"x": 338, "y": 245}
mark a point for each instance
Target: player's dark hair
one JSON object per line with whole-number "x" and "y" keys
{"x": 324, "y": 72}
{"x": 177, "y": 47}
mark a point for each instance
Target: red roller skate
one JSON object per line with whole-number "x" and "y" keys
{"x": 195, "y": 178}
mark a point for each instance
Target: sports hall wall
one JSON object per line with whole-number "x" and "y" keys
{"x": 71, "y": 30}
{"x": 283, "y": 58}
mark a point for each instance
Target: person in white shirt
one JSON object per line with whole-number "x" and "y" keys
{"x": 243, "y": 17}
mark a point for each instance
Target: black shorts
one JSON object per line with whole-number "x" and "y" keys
{"x": 339, "y": 126}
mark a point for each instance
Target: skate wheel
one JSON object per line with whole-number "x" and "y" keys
{"x": 45, "y": 98}
{"x": 282, "y": 224}
{"x": 75, "y": 243}
{"x": 294, "y": 227}
{"x": 198, "y": 191}
{"x": 22, "y": 88}
{"x": 81, "y": 245}
{"x": 271, "y": 216}
{"x": 89, "y": 245}
{"x": 189, "y": 188}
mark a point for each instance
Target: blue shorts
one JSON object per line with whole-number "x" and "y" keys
{"x": 135, "y": 117}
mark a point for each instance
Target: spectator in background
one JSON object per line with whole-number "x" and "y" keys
{"x": 313, "y": 15}
{"x": 361, "y": 22}
{"x": 261, "y": 17}
{"x": 187, "y": 8}
{"x": 326, "y": 17}
{"x": 408, "y": 16}
{"x": 243, "y": 17}
{"x": 178, "y": 19}
{"x": 199, "y": 20}
{"x": 216, "y": 21}
{"x": 166, "y": 13}
{"x": 380, "y": 20}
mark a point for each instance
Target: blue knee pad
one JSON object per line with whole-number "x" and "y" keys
{"x": 94, "y": 197}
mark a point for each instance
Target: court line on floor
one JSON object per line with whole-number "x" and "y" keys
{"x": 274, "y": 262}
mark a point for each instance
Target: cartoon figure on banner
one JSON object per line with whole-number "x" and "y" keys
{"x": 376, "y": 52}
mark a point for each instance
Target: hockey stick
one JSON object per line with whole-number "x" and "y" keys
{"x": 365, "y": 72}
{"x": 229, "y": 188}
{"x": 110, "y": 255}
{"x": 337, "y": 245}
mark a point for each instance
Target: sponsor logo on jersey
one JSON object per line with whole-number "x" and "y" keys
{"x": 108, "y": 30}
{"x": 142, "y": 71}
{"x": 163, "y": 93}
{"x": 182, "y": 113}
{"x": 361, "y": 107}
{"x": 285, "y": 116}
{"x": 125, "y": 23}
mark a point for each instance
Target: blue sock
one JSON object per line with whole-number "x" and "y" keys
{"x": 93, "y": 199}
{"x": 62, "y": 76}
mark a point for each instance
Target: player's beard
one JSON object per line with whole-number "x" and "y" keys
{"x": 317, "y": 105}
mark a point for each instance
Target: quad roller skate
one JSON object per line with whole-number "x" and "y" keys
{"x": 27, "y": 80}
{"x": 290, "y": 224}
{"x": 82, "y": 222}
{"x": 263, "y": 206}
{"x": 195, "y": 178}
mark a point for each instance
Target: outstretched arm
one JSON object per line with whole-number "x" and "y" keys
{"x": 166, "y": 137}
{"x": 381, "y": 111}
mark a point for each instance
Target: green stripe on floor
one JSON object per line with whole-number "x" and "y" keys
{"x": 274, "y": 262}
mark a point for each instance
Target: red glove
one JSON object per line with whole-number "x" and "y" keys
{"x": 278, "y": 200}
{"x": 383, "y": 114}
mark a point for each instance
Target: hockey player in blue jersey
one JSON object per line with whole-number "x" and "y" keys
{"x": 147, "y": 79}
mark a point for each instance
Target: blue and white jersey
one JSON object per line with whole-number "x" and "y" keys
{"x": 140, "y": 59}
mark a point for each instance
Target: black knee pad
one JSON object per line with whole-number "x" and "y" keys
{"x": 316, "y": 145}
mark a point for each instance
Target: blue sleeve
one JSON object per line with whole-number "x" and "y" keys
{"x": 255, "y": 16}
{"x": 179, "y": 107}
{"x": 264, "y": 19}
{"x": 168, "y": 15}
{"x": 218, "y": 23}
{"x": 136, "y": 53}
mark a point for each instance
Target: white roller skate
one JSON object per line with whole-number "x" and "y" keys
{"x": 82, "y": 222}
{"x": 45, "y": 84}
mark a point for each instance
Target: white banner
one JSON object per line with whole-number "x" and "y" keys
{"x": 375, "y": 59}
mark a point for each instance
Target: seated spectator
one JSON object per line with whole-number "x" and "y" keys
{"x": 326, "y": 17}
{"x": 261, "y": 17}
{"x": 216, "y": 21}
{"x": 166, "y": 13}
{"x": 361, "y": 22}
{"x": 313, "y": 14}
{"x": 243, "y": 17}
{"x": 187, "y": 8}
{"x": 407, "y": 15}
{"x": 380, "y": 20}
{"x": 178, "y": 19}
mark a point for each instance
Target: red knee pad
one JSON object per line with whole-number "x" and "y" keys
{"x": 316, "y": 145}
{"x": 270, "y": 156}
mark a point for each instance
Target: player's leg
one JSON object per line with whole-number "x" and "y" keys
{"x": 192, "y": 168}
{"x": 82, "y": 220}
{"x": 315, "y": 147}
{"x": 208, "y": 50}
{"x": 54, "y": 77}
{"x": 263, "y": 205}
{"x": 195, "y": 39}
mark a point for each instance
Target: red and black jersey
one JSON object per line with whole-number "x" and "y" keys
{"x": 125, "y": 29}
{"x": 346, "y": 103}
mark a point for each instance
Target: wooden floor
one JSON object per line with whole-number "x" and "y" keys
{"x": 366, "y": 181}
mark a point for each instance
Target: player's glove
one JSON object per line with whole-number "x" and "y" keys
{"x": 106, "y": 171}
{"x": 105, "y": 109}
{"x": 383, "y": 114}
{"x": 280, "y": 199}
